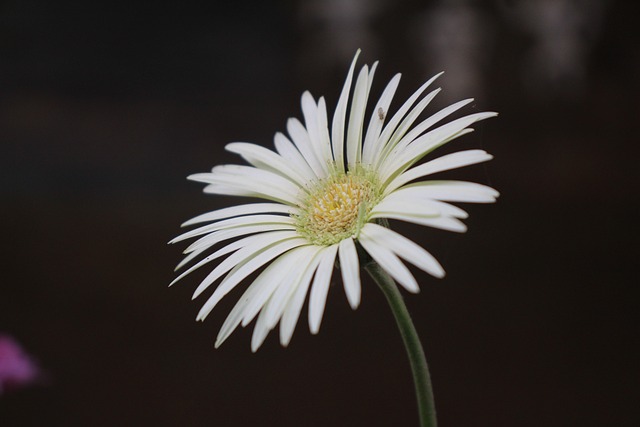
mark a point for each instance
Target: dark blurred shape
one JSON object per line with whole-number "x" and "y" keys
{"x": 17, "y": 368}
{"x": 563, "y": 34}
{"x": 456, "y": 36}
{"x": 335, "y": 29}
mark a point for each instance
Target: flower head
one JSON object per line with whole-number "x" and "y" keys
{"x": 326, "y": 191}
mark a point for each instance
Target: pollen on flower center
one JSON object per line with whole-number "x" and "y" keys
{"x": 337, "y": 208}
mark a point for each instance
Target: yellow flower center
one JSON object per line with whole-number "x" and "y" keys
{"x": 337, "y": 208}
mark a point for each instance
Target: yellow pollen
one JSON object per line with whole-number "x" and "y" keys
{"x": 337, "y": 209}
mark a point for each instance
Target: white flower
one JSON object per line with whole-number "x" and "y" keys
{"x": 326, "y": 191}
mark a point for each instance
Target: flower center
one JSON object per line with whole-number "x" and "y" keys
{"x": 337, "y": 208}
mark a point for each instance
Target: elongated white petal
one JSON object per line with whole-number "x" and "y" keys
{"x": 233, "y": 319}
{"x": 451, "y": 191}
{"x": 253, "y": 257}
{"x": 440, "y": 222}
{"x": 271, "y": 279}
{"x": 447, "y": 162}
{"x": 399, "y": 161}
{"x": 215, "y": 237}
{"x": 323, "y": 129}
{"x": 350, "y": 269}
{"x": 245, "y": 268}
{"x": 407, "y": 122}
{"x": 408, "y": 207}
{"x": 390, "y": 128}
{"x": 256, "y": 245}
{"x": 235, "y": 316}
{"x": 217, "y": 254}
{"x": 272, "y": 310}
{"x": 253, "y": 179}
{"x": 238, "y": 210}
{"x": 247, "y": 241}
{"x": 293, "y": 307}
{"x": 266, "y": 159}
{"x": 260, "y": 330}
{"x": 337, "y": 129}
{"x": 372, "y": 73}
{"x": 377, "y": 120}
{"x": 320, "y": 287}
{"x": 279, "y": 299}
{"x": 410, "y": 204}
{"x": 249, "y": 181}
{"x": 404, "y": 248}
{"x": 316, "y": 133}
{"x": 356, "y": 118}
{"x": 424, "y": 125}
{"x": 288, "y": 151}
{"x": 302, "y": 141}
{"x": 390, "y": 263}
{"x": 240, "y": 221}
{"x": 256, "y": 296}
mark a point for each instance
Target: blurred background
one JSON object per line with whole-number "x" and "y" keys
{"x": 105, "y": 108}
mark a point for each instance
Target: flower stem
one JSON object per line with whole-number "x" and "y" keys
{"x": 421, "y": 377}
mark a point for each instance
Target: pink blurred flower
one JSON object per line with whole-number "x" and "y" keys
{"x": 17, "y": 368}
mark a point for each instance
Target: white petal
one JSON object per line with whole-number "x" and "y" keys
{"x": 377, "y": 120}
{"x": 266, "y": 159}
{"x": 256, "y": 295}
{"x": 204, "y": 243}
{"x": 238, "y": 210}
{"x": 337, "y": 129}
{"x": 271, "y": 278}
{"x": 293, "y": 308}
{"x": 317, "y": 133}
{"x": 425, "y": 124}
{"x": 230, "y": 324}
{"x": 301, "y": 139}
{"x": 217, "y": 254}
{"x": 372, "y": 72}
{"x": 215, "y": 237}
{"x": 260, "y": 331}
{"x": 249, "y": 259}
{"x": 450, "y": 191}
{"x": 389, "y": 262}
{"x": 410, "y": 207}
{"x": 258, "y": 244}
{"x": 356, "y": 118}
{"x": 253, "y": 180}
{"x": 441, "y": 222}
{"x": 323, "y": 128}
{"x": 320, "y": 287}
{"x": 249, "y": 181}
{"x": 235, "y": 316}
{"x": 270, "y": 313}
{"x": 289, "y": 151}
{"x": 447, "y": 162}
{"x": 390, "y": 128}
{"x": 279, "y": 299}
{"x": 397, "y": 162}
{"x": 247, "y": 241}
{"x": 240, "y": 221}
{"x": 410, "y": 204}
{"x": 350, "y": 268}
{"x": 407, "y": 122}
{"x": 404, "y": 248}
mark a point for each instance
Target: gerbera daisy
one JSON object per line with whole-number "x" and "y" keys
{"x": 328, "y": 191}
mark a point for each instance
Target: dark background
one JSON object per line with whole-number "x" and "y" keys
{"x": 105, "y": 109}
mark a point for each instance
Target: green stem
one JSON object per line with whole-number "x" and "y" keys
{"x": 421, "y": 377}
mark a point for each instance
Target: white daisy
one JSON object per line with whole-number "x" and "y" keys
{"x": 327, "y": 192}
